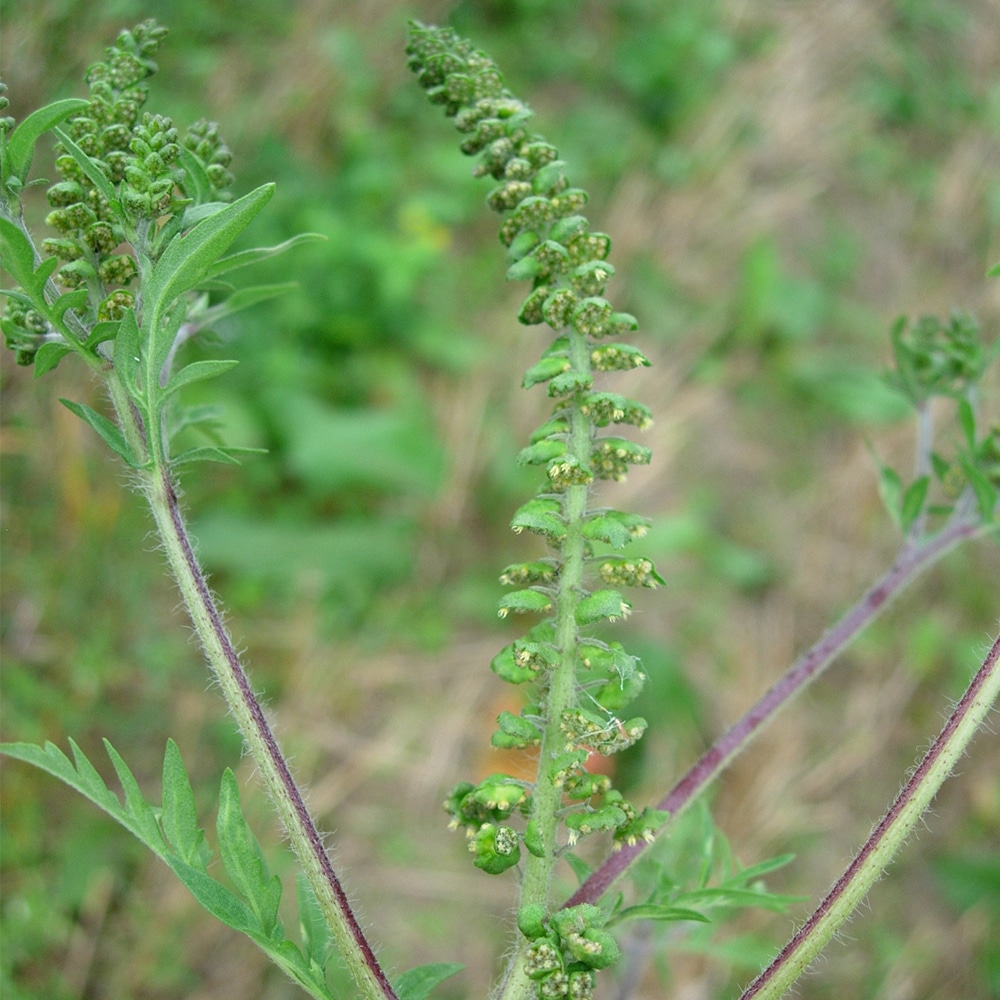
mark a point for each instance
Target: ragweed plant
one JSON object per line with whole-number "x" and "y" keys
{"x": 143, "y": 224}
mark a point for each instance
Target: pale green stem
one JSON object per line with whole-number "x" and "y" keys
{"x": 561, "y": 689}
{"x": 888, "y": 836}
{"x": 225, "y": 663}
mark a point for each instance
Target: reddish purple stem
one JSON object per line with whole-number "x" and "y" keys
{"x": 808, "y": 667}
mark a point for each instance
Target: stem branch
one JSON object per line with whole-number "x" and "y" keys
{"x": 887, "y": 837}
{"x": 912, "y": 560}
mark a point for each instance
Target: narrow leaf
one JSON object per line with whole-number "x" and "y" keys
{"x": 985, "y": 491}
{"x": 890, "y": 488}
{"x": 94, "y": 173}
{"x": 913, "y": 501}
{"x": 186, "y": 260}
{"x": 109, "y": 433}
{"x": 198, "y": 186}
{"x": 18, "y": 258}
{"x": 655, "y": 911}
{"x": 416, "y": 984}
{"x": 967, "y": 421}
{"x": 214, "y": 453}
{"x": 198, "y": 371}
{"x": 127, "y": 351}
{"x": 242, "y": 859}
{"x": 317, "y": 941}
{"x": 143, "y": 823}
{"x": 49, "y": 355}
{"x": 247, "y": 257}
{"x": 179, "y": 816}
{"x": 21, "y": 145}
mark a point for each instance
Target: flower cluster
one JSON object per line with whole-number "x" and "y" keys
{"x": 550, "y": 243}
{"x": 566, "y": 949}
{"x": 151, "y": 171}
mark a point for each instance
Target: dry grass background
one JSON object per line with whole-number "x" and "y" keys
{"x": 365, "y": 725}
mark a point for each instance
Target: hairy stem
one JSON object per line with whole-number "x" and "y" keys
{"x": 249, "y": 714}
{"x": 887, "y": 837}
{"x": 912, "y": 560}
{"x": 561, "y": 692}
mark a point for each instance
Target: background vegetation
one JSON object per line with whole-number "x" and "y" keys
{"x": 780, "y": 182}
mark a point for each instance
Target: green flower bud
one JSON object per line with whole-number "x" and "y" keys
{"x": 591, "y": 316}
{"x": 541, "y": 960}
{"x": 542, "y": 516}
{"x": 568, "y": 471}
{"x": 558, "y": 308}
{"x": 63, "y": 249}
{"x": 531, "y": 919}
{"x": 602, "y": 605}
{"x": 588, "y": 247}
{"x": 611, "y": 457}
{"x": 630, "y": 573}
{"x": 617, "y": 357}
{"x": 545, "y": 369}
{"x": 533, "y": 842}
{"x": 524, "y": 602}
{"x": 531, "y": 311}
{"x": 569, "y": 383}
{"x": 65, "y": 193}
{"x": 590, "y": 278}
{"x": 542, "y": 452}
{"x": 535, "y": 655}
{"x": 496, "y": 849}
{"x": 505, "y": 666}
{"x": 117, "y": 270}
{"x": 522, "y": 574}
{"x": 523, "y": 730}
{"x": 499, "y": 794}
{"x": 115, "y": 306}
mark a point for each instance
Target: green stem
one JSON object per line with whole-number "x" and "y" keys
{"x": 888, "y": 836}
{"x": 561, "y": 688}
{"x": 225, "y": 663}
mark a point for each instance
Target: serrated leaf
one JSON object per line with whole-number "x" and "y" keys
{"x": 242, "y": 859}
{"x": 21, "y": 144}
{"x": 139, "y": 818}
{"x": 416, "y": 984}
{"x": 179, "y": 816}
{"x": 141, "y": 812}
{"x": 108, "y": 431}
{"x": 197, "y": 371}
{"x": 94, "y": 173}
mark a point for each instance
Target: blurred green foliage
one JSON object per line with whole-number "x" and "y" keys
{"x": 766, "y": 239}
